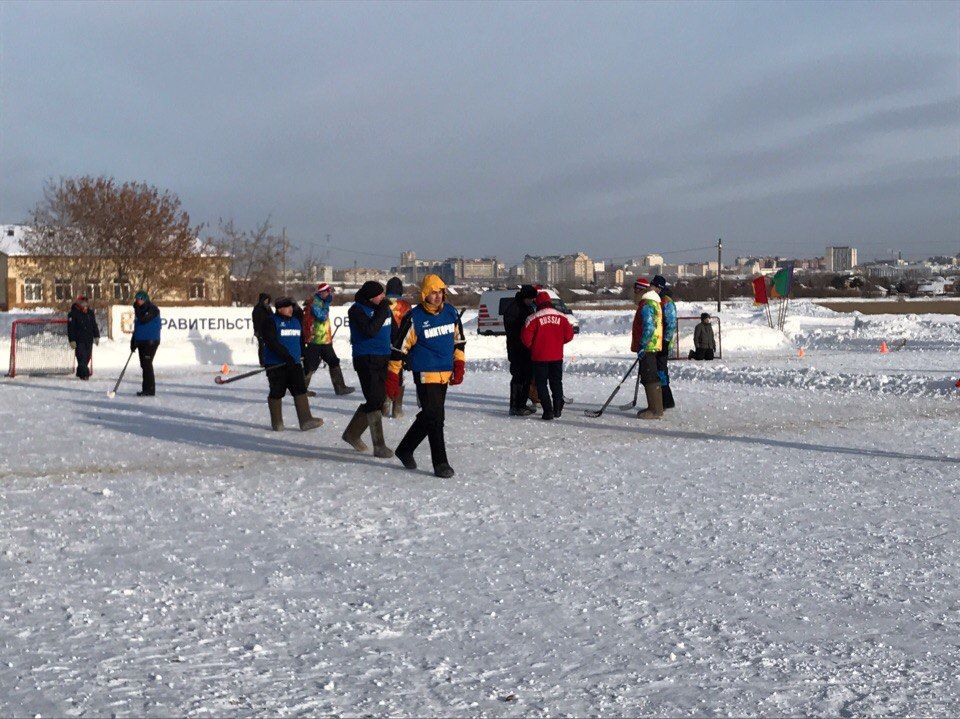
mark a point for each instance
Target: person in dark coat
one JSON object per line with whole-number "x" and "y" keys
{"x": 281, "y": 332}
{"x": 704, "y": 344}
{"x": 146, "y": 339}
{"x": 82, "y": 333}
{"x": 261, "y": 313}
{"x": 371, "y": 328}
{"x": 518, "y": 354}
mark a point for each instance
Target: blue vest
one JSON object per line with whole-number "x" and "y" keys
{"x": 379, "y": 344}
{"x": 288, "y": 331}
{"x": 147, "y": 331}
{"x": 436, "y": 335}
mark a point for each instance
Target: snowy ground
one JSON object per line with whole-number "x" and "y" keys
{"x": 775, "y": 546}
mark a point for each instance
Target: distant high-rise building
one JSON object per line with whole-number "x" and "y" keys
{"x": 840, "y": 259}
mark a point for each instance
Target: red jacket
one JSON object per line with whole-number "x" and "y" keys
{"x": 545, "y": 333}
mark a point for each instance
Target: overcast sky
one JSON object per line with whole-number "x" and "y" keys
{"x": 497, "y": 128}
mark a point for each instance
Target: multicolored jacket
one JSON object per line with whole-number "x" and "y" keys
{"x": 321, "y": 333}
{"x": 648, "y": 324}
{"x": 429, "y": 339}
{"x": 669, "y": 308}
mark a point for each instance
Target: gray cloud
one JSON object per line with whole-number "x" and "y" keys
{"x": 503, "y": 128}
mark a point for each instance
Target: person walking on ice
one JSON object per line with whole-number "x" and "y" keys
{"x": 393, "y": 407}
{"x": 431, "y": 344}
{"x": 282, "y": 346}
{"x": 545, "y": 333}
{"x": 370, "y": 334}
{"x": 320, "y": 346}
{"x": 647, "y": 341}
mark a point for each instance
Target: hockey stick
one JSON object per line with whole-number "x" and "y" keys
{"x": 636, "y": 394}
{"x": 113, "y": 393}
{"x": 598, "y": 412}
{"x": 220, "y": 380}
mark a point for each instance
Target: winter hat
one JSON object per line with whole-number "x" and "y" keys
{"x": 323, "y": 287}
{"x": 263, "y": 297}
{"x": 659, "y": 281}
{"x": 283, "y": 302}
{"x": 368, "y": 291}
{"x": 527, "y": 292}
{"x": 641, "y": 284}
{"x": 544, "y": 300}
{"x": 395, "y": 286}
{"x": 142, "y": 296}
{"x": 705, "y": 316}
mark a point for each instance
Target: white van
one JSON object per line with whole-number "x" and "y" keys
{"x": 493, "y": 303}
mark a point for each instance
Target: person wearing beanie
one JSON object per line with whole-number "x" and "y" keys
{"x": 518, "y": 354}
{"x": 370, "y": 335}
{"x": 82, "y": 334}
{"x": 145, "y": 339}
{"x": 261, "y": 313}
{"x": 669, "y": 308}
{"x": 647, "y": 341}
{"x": 545, "y": 333}
{"x": 282, "y": 355}
{"x": 320, "y": 340}
{"x": 431, "y": 345}
{"x": 704, "y": 343}
{"x": 393, "y": 406}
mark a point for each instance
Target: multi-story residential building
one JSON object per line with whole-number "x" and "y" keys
{"x": 840, "y": 259}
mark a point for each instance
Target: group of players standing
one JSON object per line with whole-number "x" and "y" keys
{"x": 387, "y": 336}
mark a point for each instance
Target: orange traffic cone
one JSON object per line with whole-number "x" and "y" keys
{"x": 225, "y": 369}
{"x": 883, "y": 347}
{"x": 801, "y": 353}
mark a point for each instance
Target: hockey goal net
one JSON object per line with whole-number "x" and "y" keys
{"x": 683, "y": 344}
{"x": 40, "y": 347}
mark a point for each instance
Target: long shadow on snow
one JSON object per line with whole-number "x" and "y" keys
{"x": 198, "y": 435}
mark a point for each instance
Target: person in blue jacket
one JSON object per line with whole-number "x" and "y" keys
{"x": 146, "y": 339}
{"x": 282, "y": 356}
{"x": 371, "y": 328}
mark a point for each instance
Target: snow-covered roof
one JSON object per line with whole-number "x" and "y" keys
{"x": 10, "y": 239}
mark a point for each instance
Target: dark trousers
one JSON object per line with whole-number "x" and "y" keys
{"x": 429, "y": 422}
{"x": 701, "y": 353}
{"x": 314, "y": 354}
{"x": 521, "y": 375}
{"x": 648, "y": 369}
{"x": 663, "y": 371}
{"x": 83, "y": 352}
{"x": 549, "y": 379}
{"x": 372, "y": 372}
{"x": 147, "y": 350}
{"x": 284, "y": 379}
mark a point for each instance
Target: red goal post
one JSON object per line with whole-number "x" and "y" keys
{"x": 39, "y": 346}
{"x": 685, "y": 327}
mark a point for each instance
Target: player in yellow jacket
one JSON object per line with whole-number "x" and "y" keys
{"x": 431, "y": 345}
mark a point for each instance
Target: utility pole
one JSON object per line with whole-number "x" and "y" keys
{"x": 283, "y": 253}
{"x": 719, "y": 272}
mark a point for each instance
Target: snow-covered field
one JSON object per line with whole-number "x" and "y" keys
{"x": 784, "y": 542}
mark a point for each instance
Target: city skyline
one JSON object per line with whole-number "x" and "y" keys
{"x": 471, "y": 129}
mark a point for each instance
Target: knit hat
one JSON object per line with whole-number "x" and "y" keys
{"x": 527, "y": 292}
{"x": 395, "y": 286}
{"x": 659, "y": 281}
{"x": 368, "y": 291}
{"x": 323, "y": 287}
{"x": 544, "y": 300}
{"x": 704, "y": 315}
{"x": 142, "y": 296}
{"x": 641, "y": 284}
{"x": 283, "y": 302}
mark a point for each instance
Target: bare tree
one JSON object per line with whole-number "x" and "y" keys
{"x": 256, "y": 259}
{"x": 134, "y": 233}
